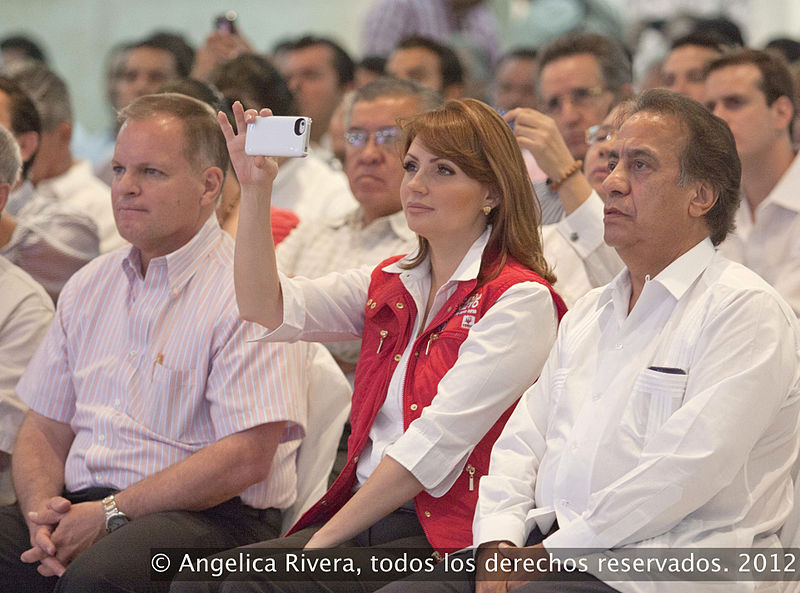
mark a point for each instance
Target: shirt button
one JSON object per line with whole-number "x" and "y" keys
{"x": 596, "y": 396}
{"x": 413, "y": 407}
{"x": 117, "y": 403}
{"x": 399, "y": 305}
{"x": 369, "y": 302}
{"x": 101, "y": 438}
{"x": 397, "y": 357}
{"x": 618, "y": 346}
{"x": 372, "y": 306}
{"x": 132, "y": 353}
{"x": 416, "y": 354}
{"x": 355, "y": 459}
{"x": 427, "y": 513}
{"x": 573, "y": 236}
{"x": 98, "y": 477}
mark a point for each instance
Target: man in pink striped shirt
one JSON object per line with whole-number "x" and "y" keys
{"x": 152, "y": 422}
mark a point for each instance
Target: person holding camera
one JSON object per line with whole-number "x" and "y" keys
{"x": 451, "y": 333}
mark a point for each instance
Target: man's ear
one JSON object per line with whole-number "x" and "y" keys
{"x": 703, "y": 200}
{"x": 213, "y": 179}
{"x": 783, "y": 111}
{"x": 28, "y": 144}
{"x": 64, "y": 131}
{"x": 5, "y": 189}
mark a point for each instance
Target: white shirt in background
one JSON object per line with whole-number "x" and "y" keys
{"x": 770, "y": 246}
{"x": 79, "y": 188}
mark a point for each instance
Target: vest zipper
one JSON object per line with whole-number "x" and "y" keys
{"x": 471, "y": 471}
{"x": 383, "y": 334}
{"x": 430, "y": 339}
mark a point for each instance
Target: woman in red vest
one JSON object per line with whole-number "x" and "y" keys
{"x": 452, "y": 334}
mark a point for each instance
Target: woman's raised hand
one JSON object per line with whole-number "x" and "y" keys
{"x": 253, "y": 172}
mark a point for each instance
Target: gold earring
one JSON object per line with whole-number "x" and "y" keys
{"x": 487, "y": 210}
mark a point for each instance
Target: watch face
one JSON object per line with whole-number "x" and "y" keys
{"x": 116, "y": 522}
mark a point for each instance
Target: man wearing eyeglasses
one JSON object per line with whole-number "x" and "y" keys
{"x": 376, "y": 229}
{"x": 581, "y": 77}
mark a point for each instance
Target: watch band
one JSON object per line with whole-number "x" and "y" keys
{"x": 114, "y": 517}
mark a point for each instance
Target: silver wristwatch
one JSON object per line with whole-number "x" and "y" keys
{"x": 114, "y": 517}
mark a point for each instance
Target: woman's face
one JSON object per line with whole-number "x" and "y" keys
{"x": 440, "y": 200}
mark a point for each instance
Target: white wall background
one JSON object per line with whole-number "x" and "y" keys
{"x": 79, "y": 33}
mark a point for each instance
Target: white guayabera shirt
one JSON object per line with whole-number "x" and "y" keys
{"x": 673, "y": 426}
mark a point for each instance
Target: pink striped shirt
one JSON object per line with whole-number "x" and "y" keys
{"x": 147, "y": 371}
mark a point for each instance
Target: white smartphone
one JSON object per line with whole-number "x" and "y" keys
{"x": 278, "y": 135}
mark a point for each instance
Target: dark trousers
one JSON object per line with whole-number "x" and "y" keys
{"x": 120, "y": 561}
{"x": 398, "y": 531}
{"x": 557, "y": 582}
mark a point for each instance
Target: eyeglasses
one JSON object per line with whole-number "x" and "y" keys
{"x": 599, "y": 133}
{"x": 385, "y": 137}
{"x": 580, "y": 97}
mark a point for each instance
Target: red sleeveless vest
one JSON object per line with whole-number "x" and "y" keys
{"x": 389, "y": 320}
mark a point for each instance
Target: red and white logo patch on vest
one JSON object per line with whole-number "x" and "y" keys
{"x": 469, "y": 310}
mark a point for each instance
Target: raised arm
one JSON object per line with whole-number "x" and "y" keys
{"x": 539, "y": 134}
{"x": 258, "y": 290}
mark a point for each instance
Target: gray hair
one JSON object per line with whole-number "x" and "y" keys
{"x": 708, "y": 154}
{"x": 47, "y": 90}
{"x": 10, "y": 158}
{"x": 387, "y": 86}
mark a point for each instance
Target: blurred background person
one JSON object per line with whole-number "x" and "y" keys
{"x": 25, "y": 314}
{"x": 307, "y": 186}
{"x": 368, "y": 69}
{"x": 20, "y": 47}
{"x": 754, "y": 93}
{"x": 319, "y": 73}
{"x": 515, "y": 78}
{"x": 224, "y": 43}
{"x": 470, "y": 23}
{"x": 48, "y": 239}
{"x": 148, "y": 64}
{"x": 55, "y": 173}
{"x": 683, "y": 70}
{"x": 429, "y": 63}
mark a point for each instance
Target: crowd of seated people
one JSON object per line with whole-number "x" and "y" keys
{"x": 559, "y": 304}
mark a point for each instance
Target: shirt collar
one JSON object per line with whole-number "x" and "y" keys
{"x": 182, "y": 263}
{"x": 396, "y": 222}
{"x": 18, "y": 198}
{"x": 468, "y": 269}
{"x": 676, "y": 278}
{"x": 785, "y": 192}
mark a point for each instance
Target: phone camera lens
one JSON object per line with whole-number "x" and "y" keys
{"x": 299, "y": 126}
